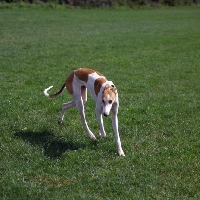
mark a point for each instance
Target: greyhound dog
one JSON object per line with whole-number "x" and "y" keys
{"x": 104, "y": 93}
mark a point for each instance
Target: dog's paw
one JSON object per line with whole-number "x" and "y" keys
{"x": 59, "y": 122}
{"x": 121, "y": 153}
{"x": 92, "y": 136}
{"x": 102, "y": 134}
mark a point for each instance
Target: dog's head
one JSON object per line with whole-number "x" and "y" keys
{"x": 108, "y": 98}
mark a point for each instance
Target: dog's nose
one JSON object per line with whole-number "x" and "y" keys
{"x": 105, "y": 114}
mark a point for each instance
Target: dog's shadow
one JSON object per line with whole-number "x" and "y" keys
{"x": 53, "y": 146}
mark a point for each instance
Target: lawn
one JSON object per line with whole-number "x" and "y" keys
{"x": 153, "y": 57}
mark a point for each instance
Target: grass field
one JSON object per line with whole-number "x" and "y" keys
{"x": 152, "y": 56}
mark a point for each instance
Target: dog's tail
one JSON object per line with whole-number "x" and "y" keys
{"x": 53, "y": 95}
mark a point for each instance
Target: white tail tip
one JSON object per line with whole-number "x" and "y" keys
{"x": 45, "y": 91}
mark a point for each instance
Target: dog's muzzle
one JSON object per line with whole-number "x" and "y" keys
{"x": 106, "y": 115}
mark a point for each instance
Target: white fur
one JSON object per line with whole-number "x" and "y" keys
{"x": 79, "y": 97}
{"x": 45, "y": 91}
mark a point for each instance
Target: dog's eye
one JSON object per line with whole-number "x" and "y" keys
{"x": 103, "y": 101}
{"x": 110, "y": 101}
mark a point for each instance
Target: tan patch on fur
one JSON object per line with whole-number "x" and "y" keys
{"x": 68, "y": 83}
{"x": 98, "y": 83}
{"x": 109, "y": 91}
{"x": 83, "y": 73}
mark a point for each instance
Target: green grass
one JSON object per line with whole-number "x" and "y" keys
{"x": 152, "y": 56}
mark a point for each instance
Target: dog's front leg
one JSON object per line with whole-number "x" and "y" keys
{"x": 100, "y": 120}
{"x": 80, "y": 106}
{"x": 115, "y": 127}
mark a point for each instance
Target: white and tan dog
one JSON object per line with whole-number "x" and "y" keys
{"x": 104, "y": 93}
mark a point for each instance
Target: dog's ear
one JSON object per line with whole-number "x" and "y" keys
{"x": 106, "y": 87}
{"x": 114, "y": 89}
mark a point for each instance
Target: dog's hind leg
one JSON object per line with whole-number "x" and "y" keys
{"x": 65, "y": 106}
{"x": 84, "y": 94}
